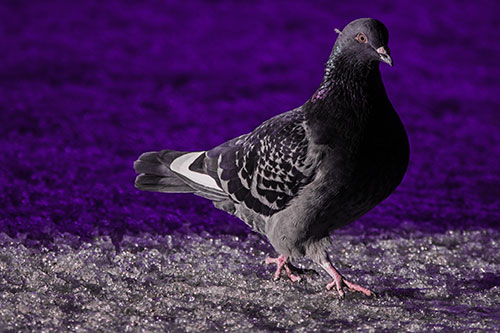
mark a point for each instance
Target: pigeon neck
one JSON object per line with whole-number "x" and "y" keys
{"x": 345, "y": 100}
{"x": 344, "y": 70}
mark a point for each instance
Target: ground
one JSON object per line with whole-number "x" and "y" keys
{"x": 85, "y": 87}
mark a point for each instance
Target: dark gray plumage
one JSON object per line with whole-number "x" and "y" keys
{"x": 308, "y": 171}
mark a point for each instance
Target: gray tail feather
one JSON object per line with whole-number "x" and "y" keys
{"x": 155, "y": 174}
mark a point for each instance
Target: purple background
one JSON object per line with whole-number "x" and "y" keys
{"x": 85, "y": 88}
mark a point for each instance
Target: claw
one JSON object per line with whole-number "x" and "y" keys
{"x": 339, "y": 282}
{"x": 281, "y": 262}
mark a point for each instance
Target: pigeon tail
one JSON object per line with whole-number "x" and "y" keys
{"x": 155, "y": 173}
{"x": 171, "y": 171}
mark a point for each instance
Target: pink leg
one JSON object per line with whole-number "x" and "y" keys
{"x": 281, "y": 262}
{"x": 339, "y": 281}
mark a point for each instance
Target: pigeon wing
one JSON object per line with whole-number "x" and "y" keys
{"x": 265, "y": 169}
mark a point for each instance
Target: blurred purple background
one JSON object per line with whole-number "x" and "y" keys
{"x": 87, "y": 86}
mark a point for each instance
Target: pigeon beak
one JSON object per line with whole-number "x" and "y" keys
{"x": 385, "y": 55}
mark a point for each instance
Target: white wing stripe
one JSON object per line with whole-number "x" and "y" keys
{"x": 181, "y": 166}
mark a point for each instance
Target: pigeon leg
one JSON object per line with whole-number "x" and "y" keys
{"x": 339, "y": 281}
{"x": 281, "y": 262}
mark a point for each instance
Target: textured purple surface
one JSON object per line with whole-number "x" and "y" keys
{"x": 85, "y": 88}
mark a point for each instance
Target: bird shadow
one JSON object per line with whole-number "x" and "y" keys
{"x": 307, "y": 272}
{"x": 455, "y": 288}
{"x": 401, "y": 293}
{"x": 487, "y": 281}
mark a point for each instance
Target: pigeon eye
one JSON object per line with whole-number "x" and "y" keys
{"x": 361, "y": 37}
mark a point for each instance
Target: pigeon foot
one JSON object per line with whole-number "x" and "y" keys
{"x": 339, "y": 282}
{"x": 281, "y": 262}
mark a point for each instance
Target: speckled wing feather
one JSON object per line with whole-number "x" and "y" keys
{"x": 265, "y": 169}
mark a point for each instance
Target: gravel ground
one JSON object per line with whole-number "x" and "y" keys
{"x": 87, "y": 86}
{"x": 197, "y": 282}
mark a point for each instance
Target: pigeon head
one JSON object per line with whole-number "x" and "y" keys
{"x": 363, "y": 41}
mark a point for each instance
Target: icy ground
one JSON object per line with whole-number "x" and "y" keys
{"x": 195, "y": 283}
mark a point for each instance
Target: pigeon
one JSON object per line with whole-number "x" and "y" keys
{"x": 303, "y": 173}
